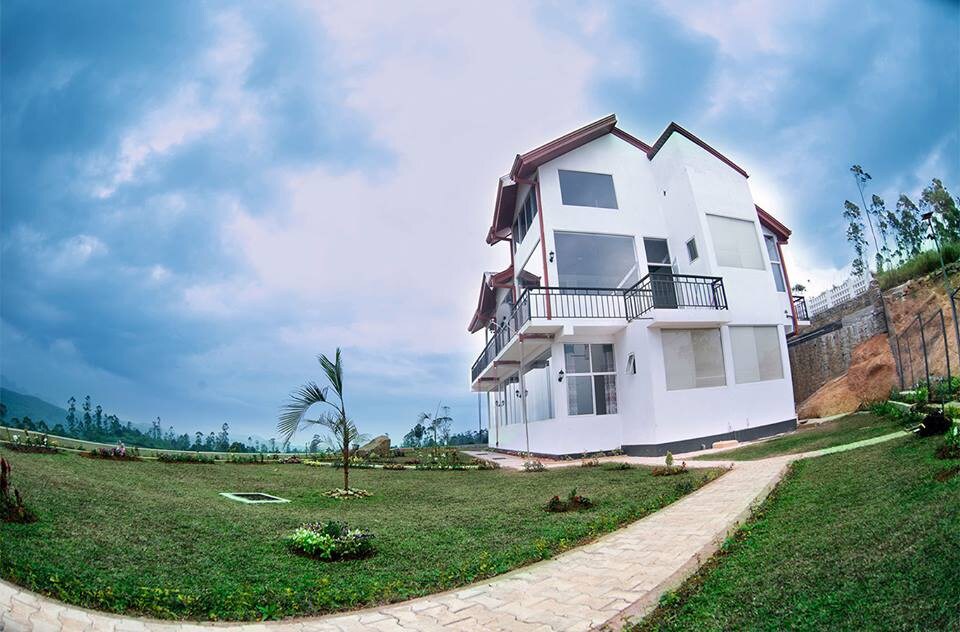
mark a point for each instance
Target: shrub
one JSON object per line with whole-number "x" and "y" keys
{"x": 685, "y": 486}
{"x": 669, "y": 470}
{"x": 289, "y": 460}
{"x": 394, "y": 466}
{"x": 483, "y": 464}
{"x": 443, "y": 460}
{"x": 590, "y": 463}
{"x": 183, "y": 457}
{"x": 344, "y": 494}
{"x": 951, "y": 444}
{"x": 39, "y": 444}
{"x": 246, "y": 459}
{"x": 533, "y": 466}
{"x": 12, "y": 508}
{"x": 574, "y": 502}
{"x": 116, "y": 453}
{"x": 616, "y": 466}
{"x": 923, "y": 263}
{"x": 669, "y": 459}
{"x": 331, "y": 541}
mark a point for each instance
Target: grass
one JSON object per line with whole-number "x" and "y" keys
{"x": 156, "y": 538}
{"x": 924, "y": 263}
{"x": 849, "y": 429}
{"x": 863, "y": 540}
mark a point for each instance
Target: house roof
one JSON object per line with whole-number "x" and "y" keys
{"x": 673, "y": 128}
{"x": 525, "y": 165}
{"x": 487, "y": 303}
{"x": 771, "y": 222}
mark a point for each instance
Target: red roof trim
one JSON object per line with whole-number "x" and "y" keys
{"x": 524, "y": 165}
{"x": 503, "y": 208}
{"x": 673, "y": 127}
{"x": 633, "y": 140}
{"x": 771, "y": 222}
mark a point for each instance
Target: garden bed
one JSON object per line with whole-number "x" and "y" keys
{"x": 117, "y": 539}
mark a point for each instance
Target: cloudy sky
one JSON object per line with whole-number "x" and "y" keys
{"x": 199, "y": 197}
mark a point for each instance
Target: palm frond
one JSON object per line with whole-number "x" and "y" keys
{"x": 333, "y": 371}
{"x": 291, "y": 413}
{"x": 422, "y": 417}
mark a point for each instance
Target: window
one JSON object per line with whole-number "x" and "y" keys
{"x": 692, "y": 249}
{"x": 756, "y": 354}
{"x": 775, "y": 263}
{"x": 536, "y": 380}
{"x": 735, "y": 242}
{"x": 595, "y": 261}
{"x": 579, "y": 188}
{"x": 631, "y": 364}
{"x": 591, "y": 379}
{"x": 525, "y": 217}
{"x": 692, "y": 358}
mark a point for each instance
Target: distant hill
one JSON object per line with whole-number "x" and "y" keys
{"x": 20, "y": 406}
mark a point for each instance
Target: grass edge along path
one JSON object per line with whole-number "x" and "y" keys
{"x": 864, "y": 539}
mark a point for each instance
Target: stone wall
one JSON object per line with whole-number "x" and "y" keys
{"x": 823, "y": 351}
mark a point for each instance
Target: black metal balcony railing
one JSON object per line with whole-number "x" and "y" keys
{"x": 674, "y": 291}
{"x": 660, "y": 291}
{"x": 800, "y": 304}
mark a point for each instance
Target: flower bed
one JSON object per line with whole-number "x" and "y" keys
{"x": 347, "y": 493}
{"x": 331, "y": 541}
{"x": 40, "y": 444}
{"x": 183, "y": 457}
{"x": 116, "y": 453}
{"x": 574, "y": 502}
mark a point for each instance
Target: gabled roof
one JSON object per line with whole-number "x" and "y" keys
{"x": 673, "y": 128}
{"x": 775, "y": 226}
{"x": 487, "y": 303}
{"x": 525, "y": 165}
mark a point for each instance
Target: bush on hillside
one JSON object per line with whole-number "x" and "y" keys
{"x": 924, "y": 263}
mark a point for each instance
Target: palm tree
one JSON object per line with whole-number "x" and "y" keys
{"x": 437, "y": 422}
{"x": 343, "y": 432}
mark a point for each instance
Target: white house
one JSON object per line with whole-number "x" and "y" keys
{"x": 646, "y": 304}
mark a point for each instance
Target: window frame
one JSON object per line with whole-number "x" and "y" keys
{"x": 613, "y": 189}
{"x": 776, "y": 264}
{"x": 720, "y": 350}
{"x": 634, "y": 272}
{"x": 696, "y": 251}
{"x": 592, "y": 374}
{"x": 716, "y": 251}
{"x": 733, "y": 354}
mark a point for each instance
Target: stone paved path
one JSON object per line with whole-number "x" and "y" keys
{"x": 619, "y": 575}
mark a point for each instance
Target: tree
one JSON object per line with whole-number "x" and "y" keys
{"x": 414, "y": 438}
{"x": 72, "y": 416}
{"x": 343, "y": 431}
{"x": 223, "y": 439}
{"x": 98, "y": 417}
{"x": 87, "y": 417}
{"x": 862, "y": 177}
{"x": 3, "y": 412}
{"x": 907, "y": 228}
{"x": 878, "y": 210}
{"x": 851, "y": 213}
{"x": 799, "y": 287}
{"x": 438, "y": 423}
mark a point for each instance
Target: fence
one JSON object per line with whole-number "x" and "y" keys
{"x": 923, "y": 356}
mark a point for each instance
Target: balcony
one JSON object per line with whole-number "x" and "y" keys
{"x": 664, "y": 299}
{"x": 800, "y": 305}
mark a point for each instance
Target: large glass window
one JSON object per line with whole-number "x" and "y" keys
{"x": 579, "y": 188}
{"x": 735, "y": 242}
{"x": 524, "y": 220}
{"x": 692, "y": 358}
{"x": 591, "y": 379}
{"x": 536, "y": 379}
{"x": 756, "y": 353}
{"x": 775, "y": 263}
{"x": 595, "y": 261}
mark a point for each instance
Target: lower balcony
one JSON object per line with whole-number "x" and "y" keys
{"x": 543, "y": 312}
{"x": 800, "y": 306}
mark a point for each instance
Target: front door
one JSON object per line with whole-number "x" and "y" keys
{"x": 661, "y": 273}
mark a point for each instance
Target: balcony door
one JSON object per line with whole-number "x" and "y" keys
{"x": 660, "y": 267}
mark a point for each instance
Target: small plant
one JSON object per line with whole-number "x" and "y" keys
{"x": 441, "y": 460}
{"x": 183, "y": 457}
{"x": 40, "y": 444}
{"x": 951, "y": 444}
{"x": 12, "y": 508}
{"x": 483, "y": 464}
{"x": 116, "y": 453}
{"x": 669, "y": 459}
{"x": 616, "y": 466}
{"x": 574, "y": 502}
{"x": 331, "y": 541}
{"x": 246, "y": 459}
{"x": 669, "y": 469}
{"x": 289, "y": 460}
{"x": 394, "y": 466}
{"x": 344, "y": 494}
{"x": 533, "y": 466}
{"x": 590, "y": 463}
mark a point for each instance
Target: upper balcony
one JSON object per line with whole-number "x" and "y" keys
{"x": 663, "y": 299}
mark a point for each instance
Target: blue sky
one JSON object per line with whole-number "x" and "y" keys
{"x": 197, "y": 198}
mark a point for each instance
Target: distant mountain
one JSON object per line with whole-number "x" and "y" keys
{"x": 20, "y": 406}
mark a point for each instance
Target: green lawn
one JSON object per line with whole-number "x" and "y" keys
{"x": 155, "y": 538}
{"x": 849, "y": 429}
{"x": 862, "y": 540}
